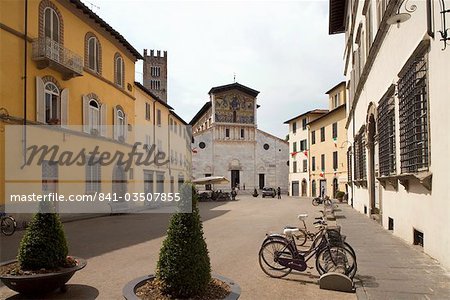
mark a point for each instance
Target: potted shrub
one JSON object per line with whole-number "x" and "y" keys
{"x": 42, "y": 263}
{"x": 340, "y": 195}
{"x": 183, "y": 269}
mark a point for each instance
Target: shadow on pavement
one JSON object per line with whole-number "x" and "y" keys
{"x": 74, "y": 291}
{"x": 93, "y": 237}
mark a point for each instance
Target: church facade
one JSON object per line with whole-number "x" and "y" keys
{"x": 227, "y": 142}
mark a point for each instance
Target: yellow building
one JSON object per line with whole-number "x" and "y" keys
{"x": 62, "y": 65}
{"x": 328, "y": 150}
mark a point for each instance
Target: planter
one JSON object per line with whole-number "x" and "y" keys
{"x": 41, "y": 283}
{"x": 129, "y": 291}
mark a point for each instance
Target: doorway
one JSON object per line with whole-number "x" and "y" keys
{"x": 295, "y": 188}
{"x": 235, "y": 178}
{"x": 335, "y": 187}
{"x": 262, "y": 181}
{"x": 119, "y": 183}
{"x": 373, "y": 197}
{"x": 323, "y": 187}
{"x": 304, "y": 187}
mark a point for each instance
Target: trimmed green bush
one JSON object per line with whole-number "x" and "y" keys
{"x": 184, "y": 268}
{"x": 44, "y": 244}
{"x": 340, "y": 195}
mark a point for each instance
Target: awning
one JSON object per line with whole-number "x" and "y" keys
{"x": 211, "y": 180}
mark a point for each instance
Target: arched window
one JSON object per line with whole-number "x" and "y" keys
{"x": 52, "y": 99}
{"x": 93, "y": 54}
{"x": 121, "y": 123}
{"x": 51, "y": 24}
{"x": 94, "y": 116}
{"x": 119, "y": 70}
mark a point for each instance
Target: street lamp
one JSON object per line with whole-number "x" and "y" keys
{"x": 399, "y": 17}
{"x": 445, "y": 36}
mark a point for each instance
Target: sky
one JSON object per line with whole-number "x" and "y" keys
{"x": 280, "y": 48}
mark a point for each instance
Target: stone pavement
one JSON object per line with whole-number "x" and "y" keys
{"x": 389, "y": 268}
{"x": 120, "y": 248}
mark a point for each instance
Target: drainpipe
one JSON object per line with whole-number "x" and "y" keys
{"x": 25, "y": 59}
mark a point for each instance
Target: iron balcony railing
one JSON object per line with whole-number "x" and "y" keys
{"x": 47, "y": 49}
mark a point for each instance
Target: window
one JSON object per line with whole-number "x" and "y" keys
{"x": 335, "y": 131}
{"x": 120, "y": 124}
{"x": 349, "y": 165}
{"x": 413, "y": 115}
{"x": 305, "y": 165}
{"x": 158, "y": 117}
{"x": 155, "y": 84}
{"x": 369, "y": 29}
{"x": 94, "y": 117}
{"x": 148, "y": 182}
{"x": 322, "y": 134}
{"x": 360, "y": 156}
{"x": 303, "y": 145}
{"x": 386, "y": 135}
{"x": 93, "y": 176}
{"x": 335, "y": 160}
{"x": 294, "y": 145}
{"x": 155, "y": 71}
{"x": 336, "y": 100}
{"x": 313, "y": 163}
{"x": 93, "y": 54}
{"x": 147, "y": 111}
{"x": 242, "y": 133}
{"x": 51, "y": 24}
{"x": 227, "y": 132}
{"x": 313, "y": 137}
{"x": 304, "y": 123}
{"x": 118, "y": 63}
{"x": 294, "y": 167}
{"x": 322, "y": 162}
{"x": 52, "y": 102}
{"x": 294, "y": 127}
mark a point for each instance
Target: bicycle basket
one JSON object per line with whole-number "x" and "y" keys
{"x": 334, "y": 237}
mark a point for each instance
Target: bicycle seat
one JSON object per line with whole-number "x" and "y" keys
{"x": 289, "y": 231}
{"x": 302, "y": 217}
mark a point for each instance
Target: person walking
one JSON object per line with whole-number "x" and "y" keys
{"x": 279, "y": 192}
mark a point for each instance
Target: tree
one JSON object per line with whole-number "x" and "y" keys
{"x": 184, "y": 267}
{"x": 44, "y": 244}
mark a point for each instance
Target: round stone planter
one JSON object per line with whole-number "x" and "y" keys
{"x": 129, "y": 291}
{"x": 38, "y": 284}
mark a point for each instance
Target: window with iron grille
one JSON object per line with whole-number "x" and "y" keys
{"x": 413, "y": 115}
{"x": 386, "y": 134}
{"x": 360, "y": 157}
{"x": 349, "y": 164}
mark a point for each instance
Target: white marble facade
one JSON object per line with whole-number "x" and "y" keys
{"x": 233, "y": 147}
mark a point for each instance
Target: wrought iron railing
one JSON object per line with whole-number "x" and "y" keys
{"x": 46, "y": 48}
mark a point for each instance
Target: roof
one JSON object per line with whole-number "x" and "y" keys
{"x": 235, "y": 85}
{"x": 314, "y": 111}
{"x": 331, "y": 112}
{"x": 179, "y": 118}
{"x": 335, "y": 87}
{"x": 148, "y": 92}
{"x": 81, "y": 6}
{"x": 337, "y": 16}
{"x": 200, "y": 113}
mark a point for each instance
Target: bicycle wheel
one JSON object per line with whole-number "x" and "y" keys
{"x": 300, "y": 237}
{"x": 336, "y": 259}
{"x": 315, "y": 201}
{"x": 8, "y": 226}
{"x": 268, "y": 258}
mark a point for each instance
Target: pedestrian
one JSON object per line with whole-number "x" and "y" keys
{"x": 243, "y": 186}
{"x": 279, "y": 192}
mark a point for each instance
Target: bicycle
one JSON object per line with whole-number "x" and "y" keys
{"x": 318, "y": 200}
{"x": 285, "y": 255}
{"x": 8, "y": 224}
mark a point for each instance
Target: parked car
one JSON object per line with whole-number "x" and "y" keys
{"x": 269, "y": 192}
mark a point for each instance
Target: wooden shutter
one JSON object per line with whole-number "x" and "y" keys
{"x": 40, "y": 100}
{"x": 85, "y": 103}
{"x": 103, "y": 119}
{"x": 65, "y": 107}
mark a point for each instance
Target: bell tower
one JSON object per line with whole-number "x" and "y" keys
{"x": 155, "y": 73}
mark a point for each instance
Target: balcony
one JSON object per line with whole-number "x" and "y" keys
{"x": 48, "y": 53}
